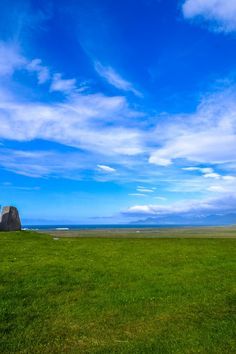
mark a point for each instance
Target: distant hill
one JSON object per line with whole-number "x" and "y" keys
{"x": 226, "y": 219}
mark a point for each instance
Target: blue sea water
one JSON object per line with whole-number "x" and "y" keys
{"x": 99, "y": 226}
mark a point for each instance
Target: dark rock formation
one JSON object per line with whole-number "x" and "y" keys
{"x": 9, "y": 219}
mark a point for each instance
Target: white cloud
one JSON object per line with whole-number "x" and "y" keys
{"x": 217, "y": 188}
{"x": 24, "y": 188}
{"x": 10, "y": 58}
{"x": 96, "y": 124}
{"x": 212, "y": 175}
{"x": 30, "y": 164}
{"x": 221, "y": 14}
{"x": 224, "y": 204}
{"x": 145, "y": 190}
{"x": 62, "y": 85}
{"x": 137, "y": 195}
{"x": 226, "y": 182}
{"x": 206, "y": 137}
{"x": 41, "y": 70}
{"x": 161, "y": 198}
{"x": 200, "y": 169}
{"x": 37, "y": 163}
{"x": 155, "y": 159}
{"x": 105, "y": 168}
{"x": 81, "y": 122}
{"x": 115, "y": 79}
{"x": 71, "y": 164}
{"x": 229, "y": 178}
{"x": 140, "y": 209}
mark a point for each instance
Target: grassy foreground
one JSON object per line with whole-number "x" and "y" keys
{"x": 94, "y": 295}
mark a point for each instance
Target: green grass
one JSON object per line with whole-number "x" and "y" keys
{"x": 93, "y": 295}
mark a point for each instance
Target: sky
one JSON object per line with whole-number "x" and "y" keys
{"x": 118, "y": 111}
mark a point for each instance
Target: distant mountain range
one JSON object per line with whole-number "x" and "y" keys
{"x": 211, "y": 220}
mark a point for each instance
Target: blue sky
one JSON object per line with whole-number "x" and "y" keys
{"x": 117, "y": 111}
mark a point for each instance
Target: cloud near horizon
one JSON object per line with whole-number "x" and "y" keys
{"x": 223, "y": 205}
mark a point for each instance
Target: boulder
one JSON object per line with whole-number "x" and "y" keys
{"x": 10, "y": 219}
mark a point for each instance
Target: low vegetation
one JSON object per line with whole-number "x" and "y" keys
{"x": 116, "y": 295}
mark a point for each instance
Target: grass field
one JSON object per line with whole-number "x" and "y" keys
{"x": 181, "y": 232}
{"x": 117, "y": 295}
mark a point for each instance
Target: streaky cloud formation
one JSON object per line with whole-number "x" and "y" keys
{"x": 200, "y": 169}
{"x": 115, "y": 79}
{"x": 80, "y": 121}
{"x": 10, "y": 58}
{"x": 63, "y": 85}
{"x": 41, "y": 71}
{"x": 105, "y": 168}
{"x": 145, "y": 190}
{"x": 207, "y": 136}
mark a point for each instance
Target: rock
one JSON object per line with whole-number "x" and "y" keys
{"x": 9, "y": 219}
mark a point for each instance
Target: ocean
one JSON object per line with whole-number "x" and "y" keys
{"x": 100, "y": 226}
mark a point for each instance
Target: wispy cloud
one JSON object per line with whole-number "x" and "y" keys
{"x": 80, "y": 122}
{"x": 213, "y": 125}
{"x": 105, "y": 168}
{"x": 9, "y": 185}
{"x": 72, "y": 164}
{"x": 31, "y": 164}
{"x": 62, "y": 85}
{"x": 142, "y": 191}
{"x": 207, "y": 172}
{"x": 41, "y": 70}
{"x": 212, "y": 175}
{"x": 10, "y": 58}
{"x": 145, "y": 190}
{"x": 227, "y": 181}
{"x": 217, "y": 189}
{"x": 113, "y": 78}
{"x": 38, "y": 164}
{"x": 161, "y": 198}
{"x": 220, "y": 14}
{"x": 200, "y": 169}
